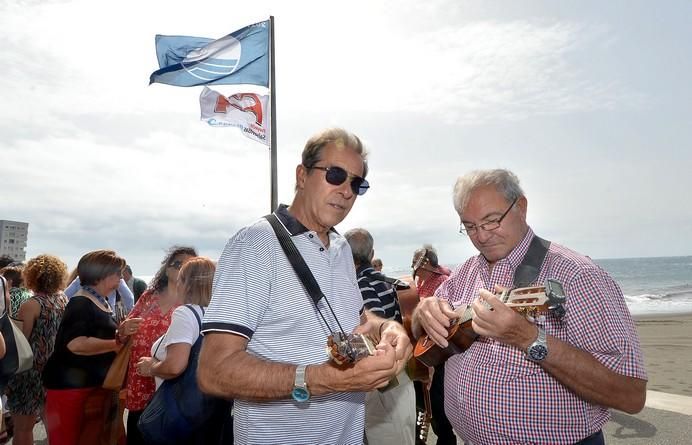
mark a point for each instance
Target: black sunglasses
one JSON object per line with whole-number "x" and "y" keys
{"x": 177, "y": 264}
{"x": 337, "y": 176}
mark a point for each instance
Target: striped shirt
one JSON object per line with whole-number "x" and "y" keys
{"x": 495, "y": 395}
{"x": 378, "y": 296}
{"x": 256, "y": 294}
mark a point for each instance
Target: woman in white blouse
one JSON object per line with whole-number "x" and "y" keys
{"x": 171, "y": 352}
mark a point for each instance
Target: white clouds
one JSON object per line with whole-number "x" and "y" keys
{"x": 93, "y": 156}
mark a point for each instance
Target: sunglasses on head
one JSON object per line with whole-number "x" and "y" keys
{"x": 177, "y": 264}
{"x": 337, "y": 176}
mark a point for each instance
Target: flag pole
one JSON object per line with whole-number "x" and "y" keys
{"x": 272, "y": 98}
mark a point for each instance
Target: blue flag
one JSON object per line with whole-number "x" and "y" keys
{"x": 238, "y": 58}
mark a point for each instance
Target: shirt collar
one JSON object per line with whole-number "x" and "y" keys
{"x": 289, "y": 221}
{"x": 366, "y": 269}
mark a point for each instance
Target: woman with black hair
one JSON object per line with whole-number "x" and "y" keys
{"x": 154, "y": 307}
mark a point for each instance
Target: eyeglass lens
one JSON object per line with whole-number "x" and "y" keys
{"x": 337, "y": 176}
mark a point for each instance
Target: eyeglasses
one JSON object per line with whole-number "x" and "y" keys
{"x": 177, "y": 264}
{"x": 489, "y": 226}
{"x": 337, "y": 176}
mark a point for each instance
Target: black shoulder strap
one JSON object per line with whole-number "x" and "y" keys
{"x": 527, "y": 272}
{"x": 296, "y": 259}
{"x": 397, "y": 283}
{"x": 199, "y": 322}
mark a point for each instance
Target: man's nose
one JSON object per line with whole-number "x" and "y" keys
{"x": 482, "y": 235}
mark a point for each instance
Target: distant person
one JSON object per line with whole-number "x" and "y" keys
{"x": 550, "y": 378}
{"x": 6, "y": 260}
{"x": 136, "y": 285}
{"x": 377, "y": 264}
{"x": 155, "y": 307}
{"x": 128, "y": 299}
{"x": 40, "y": 318}
{"x": 18, "y": 293}
{"x": 264, "y": 339}
{"x": 390, "y": 416}
{"x": 428, "y": 275}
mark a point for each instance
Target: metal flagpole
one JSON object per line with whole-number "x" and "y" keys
{"x": 272, "y": 98}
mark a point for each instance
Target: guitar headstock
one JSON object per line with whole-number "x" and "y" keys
{"x": 349, "y": 348}
{"x": 535, "y": 299}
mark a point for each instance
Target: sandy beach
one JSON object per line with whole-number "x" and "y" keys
{"x": 667, "y": 346}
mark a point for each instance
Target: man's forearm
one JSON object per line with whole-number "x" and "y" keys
{"x": 243, "y": 376}
{"x": 591, "y": 380}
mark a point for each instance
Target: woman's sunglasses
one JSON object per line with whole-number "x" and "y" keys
{"x": 337, "y": 176}
{"x": 177, "y": 264}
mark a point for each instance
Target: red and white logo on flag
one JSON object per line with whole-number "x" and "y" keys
{"x": 247, "y": 111}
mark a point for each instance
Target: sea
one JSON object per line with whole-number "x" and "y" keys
{"x": 660, "y": 285}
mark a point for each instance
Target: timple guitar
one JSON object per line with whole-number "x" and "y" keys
{"x": 528, "y": 301}
{"x": 346, "y": 349}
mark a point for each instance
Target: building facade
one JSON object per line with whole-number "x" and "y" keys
{"x": 13, "y": 238}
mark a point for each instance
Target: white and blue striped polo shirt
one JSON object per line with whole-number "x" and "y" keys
{"x": 257, "y": 294}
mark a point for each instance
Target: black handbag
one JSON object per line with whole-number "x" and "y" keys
{"x": 178, "y": 408}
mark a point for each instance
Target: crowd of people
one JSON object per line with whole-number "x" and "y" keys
{"x": 75, "y": 332}
{"x": 289, "y": 283}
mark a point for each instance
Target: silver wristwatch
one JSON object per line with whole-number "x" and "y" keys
{"x": 538, "y": 350}
{"x": 300, "y": 391}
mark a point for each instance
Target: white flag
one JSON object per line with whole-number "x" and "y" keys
{"x": 247, "y": 111}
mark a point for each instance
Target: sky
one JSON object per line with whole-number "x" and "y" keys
{"x": 588, "y": 102}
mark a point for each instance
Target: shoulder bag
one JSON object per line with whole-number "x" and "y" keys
{"x": 18, "y": 356}
{"x": 115, "y": 377}
{"x": 178, "y": 408}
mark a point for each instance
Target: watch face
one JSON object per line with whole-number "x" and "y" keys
{"x": 537, "y": 352}
{"x": 300, "y": 394}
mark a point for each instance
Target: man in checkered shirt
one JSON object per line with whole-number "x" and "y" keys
{"x": 549, "y": 380}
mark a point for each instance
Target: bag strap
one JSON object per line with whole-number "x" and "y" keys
{"x": 296, "y": 259}
{"x": 301, "y": 268}
{"x": 527, "y": 272}
{"x": 2, "y": 296}
{"x": 199, "y": 321}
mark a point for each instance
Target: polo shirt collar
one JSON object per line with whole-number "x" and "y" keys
{"x": 362, "y": 270}
{"x": 293, "y": 226}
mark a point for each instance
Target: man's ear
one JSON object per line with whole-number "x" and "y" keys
{"x": 301, "y": 176}
{"x": 522, "y": 205}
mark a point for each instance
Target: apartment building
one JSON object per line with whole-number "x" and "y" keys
{"x": 13, "y": 238}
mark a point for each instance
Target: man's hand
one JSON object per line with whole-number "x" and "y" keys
{"x": 433, "y": 316}
{"x": 394, "y": 334}
{"x": 387, "y": 332}
{"x": 493, "y": 319}
{"x": 367, "y": 374}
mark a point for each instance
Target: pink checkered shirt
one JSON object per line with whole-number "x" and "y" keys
{"x": 494, "y": 395}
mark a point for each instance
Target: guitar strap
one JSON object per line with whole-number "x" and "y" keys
{"x": 527, "y": 272}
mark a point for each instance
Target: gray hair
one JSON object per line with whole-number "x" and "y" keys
{"x": 312, "y": 153}
{"x": 361, "y": 243}
{"x": 504, "y": 181}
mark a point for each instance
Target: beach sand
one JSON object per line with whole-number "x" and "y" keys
{"x": 666, "y": 342}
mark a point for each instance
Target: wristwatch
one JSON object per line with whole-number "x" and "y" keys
{"x": 300, "y": 391}
{"x": 538, "y": 350}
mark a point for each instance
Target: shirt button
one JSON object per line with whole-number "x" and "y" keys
{"x": 321, "y": 249}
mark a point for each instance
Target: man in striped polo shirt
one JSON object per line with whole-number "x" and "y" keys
{"x": 390, "y": 416}
{"x": 265, "y": 338}
{"x": 549, "y": 379}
